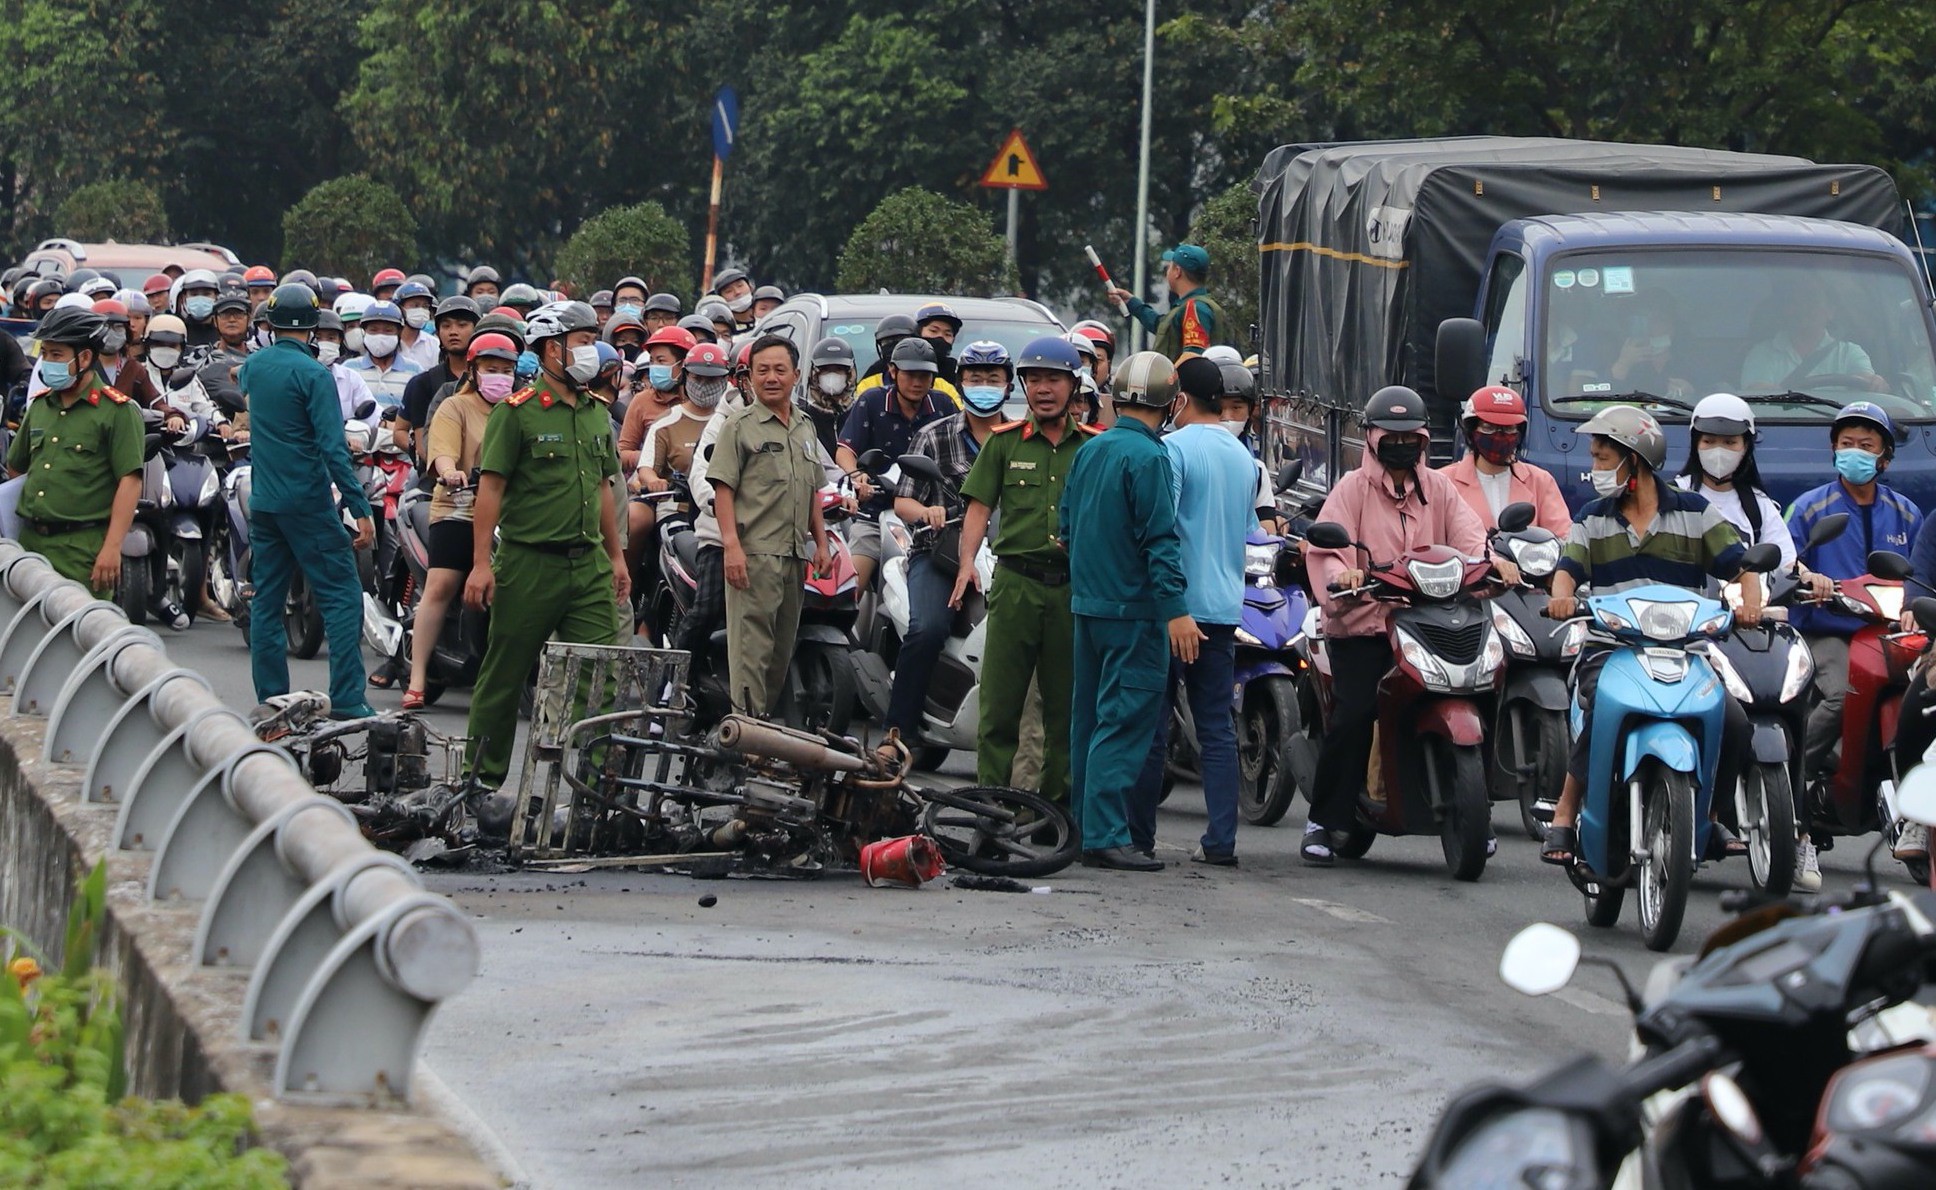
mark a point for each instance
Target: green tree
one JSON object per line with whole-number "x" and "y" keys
{"x": 1227, "y": 229}
{"x": 639, "y": 240}
{"x": 349, "y": 227}
{"x": 919, "y": 242}
{"x": 121, "y": 209}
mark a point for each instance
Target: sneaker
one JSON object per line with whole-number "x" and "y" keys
{"x": 362, "y": 710}
{"x": 1200, "y": 856}
{"x": 1913, "y": 842}
{"x": 1316, "y": 848}
{"x": 1808, "y": 868}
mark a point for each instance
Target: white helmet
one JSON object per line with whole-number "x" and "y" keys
{"x": 559, "y": 318}
{"x": 1221, "y": 355}
{"x": 350, "y": 306}
{"x": 77, "y": 301}
{"x": 1722, "y": 413}
{"x": 198, "y": 279}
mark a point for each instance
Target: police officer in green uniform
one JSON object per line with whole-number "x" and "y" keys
{"x": 1019, "y": 473}
{"x": 79, "y": 447}
{"x": 1118, "y": 522}
{"x": 1194, "y": 322}
{"x": 297, "y": 450}
{"x": 548, "y": 463}
{"x": 765, "y": 471}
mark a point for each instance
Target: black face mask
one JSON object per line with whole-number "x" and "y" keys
{"x": 1399, "y": 454}
{"x": 630, "y": 351}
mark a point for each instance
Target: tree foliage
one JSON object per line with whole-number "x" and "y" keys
{"x": 120, "y": 209}
{"x": 919, "y": 242}
{"x": 1227, "y": 229}
{"x": 639, "y": 240}
{"x": 349, "y": 227}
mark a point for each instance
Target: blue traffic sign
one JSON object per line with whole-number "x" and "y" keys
{"x": 725, "y": 122}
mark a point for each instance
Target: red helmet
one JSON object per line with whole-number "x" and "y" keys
{"x": 676, "y": 337}
{"x": 258, "y": 275}
{"x": 743, "y": 359}
{"x": 386, "y": 277}
{"x": 1496, "y": 405}
{"x": 112, "y": 310}
{"x": 494, "y": 345}
{"x": 1098, "y": 333}
{"x": 707, "y": 359}
{"x": 159, "y": 283}
{"x": 511, "y": 312}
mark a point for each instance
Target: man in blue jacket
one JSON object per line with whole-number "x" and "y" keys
{"x": 296, "y": 443}
{"x": 1118, "y": 522}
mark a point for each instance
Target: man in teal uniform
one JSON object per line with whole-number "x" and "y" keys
{"x": 1194, "y": 322}
{"x": 297, "y": 450}
{"x": 548, "y": 463}
{"x": 1126, "y": 587}
{"x": 1031, "y": 634}
{"x": 79, "y": 446}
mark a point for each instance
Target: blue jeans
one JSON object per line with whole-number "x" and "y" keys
{"x": 315, "y": 540}
{"x": 930, "y": 620}
{"x": 1209, "y": 683}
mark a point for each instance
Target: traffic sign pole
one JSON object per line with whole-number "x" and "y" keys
{"x": 1014, "y": 221}
{"x": 712, "y": 226}
{"x": 725, "y": 132}
{"x": 1014, "y": 170}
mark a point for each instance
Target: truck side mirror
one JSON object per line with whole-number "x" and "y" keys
{"x": 1459, "y": 364}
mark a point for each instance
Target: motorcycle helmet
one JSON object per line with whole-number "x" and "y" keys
{"x": 982, "y": 353}
{"x": 937, "y": 312}
{"x": 558, "y": 318}
{"x": 1146, "y": 380}
{"x": 1496, "y": 405}
{"x": 72, "y": 326}
{"x": 1870, "y": 414}
{"x": 1102, "y": 335}
{"x": 1395, "y": 408}
{"x": 455, "y": 306}
{"x": 524, "y": 297}
{"x": 702, "y": 328}
{"x": 678, "y": 338}
{"x": 1050, "y": 353}
{"x": 1634, "y": 429}
{"x": 726, "y": 277}
{"x": 891, "y": 330}
{"x": 663, "y": 303}
{"x": 292, "y": 307}
{"x": 482, "y": 274}
{"x": 707, "y": 359}
{"x": 1722, "y": 413}
{"x": 494, "y": 345}
{"x": 914, "y": 354}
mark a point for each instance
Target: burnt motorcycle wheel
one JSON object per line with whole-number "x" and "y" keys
{"x": 1668, "y": 873}
{"x": 302, "y": 619}
{"x": 1264, "y": 731}
{"x": 998, "y": 831}
{"x": 1466, "y": 823}
{"x": 1765, "y": 808}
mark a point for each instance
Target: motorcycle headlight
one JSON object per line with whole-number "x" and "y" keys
{"x": 1665, "y": 619}
{"x": 1420, "y": 658}
{"x": 1800, "y": 671}
{"x": 1260, "y": 563}
{"x": 1515, "y": 636}
{"x": 1536, "y": 559}
{"x": 1889, "y": 600}
{"x": 1436, "y": 580}
{"x": 1878, "y": 1094}
{"x": 211, "y": 487}
{"x": 1729, "y": 678}
{"x": 1574, "y": 638}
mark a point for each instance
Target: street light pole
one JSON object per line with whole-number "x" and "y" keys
{"x": 1140, "y": 245}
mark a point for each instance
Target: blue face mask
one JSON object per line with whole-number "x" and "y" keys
{"x": 1857, "y": 466}
{"x": 659, "y": 376}
{"x": 527, "y": 365}
{"x": 983, "y": 398}
{"x": 634, "y": 311}
{"x": 199, "y": 308}
{"x": 56, "y": 374}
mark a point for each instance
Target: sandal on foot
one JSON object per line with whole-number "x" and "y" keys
{"x": 1723, "y": 843}
{"x": 413, "y": 700}
{"x": 1561, "y": 843}
{"x": 383, "y": 679}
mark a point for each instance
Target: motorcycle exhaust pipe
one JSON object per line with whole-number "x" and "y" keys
{"x": 796, "y": 748}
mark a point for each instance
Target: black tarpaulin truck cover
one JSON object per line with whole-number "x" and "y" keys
{"x": 1366, "y": 247}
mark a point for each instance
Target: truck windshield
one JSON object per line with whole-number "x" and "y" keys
{"x": 1797, "y": 333}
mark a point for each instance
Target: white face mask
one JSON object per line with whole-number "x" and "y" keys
{"x": 1607, "y": 483}
{"x": 353, "y": 340}
{"x": 164, "y": 357}
{"x": 584, "y": 364}
{"x": 417, "y": 317}
{"x": 1720, "y": 462}
{"x": 1236, "y": 428}
{"x": 741, "y": 304}
{"x": 327, "y": 352}
{"x": 832, "y": 382}
{"x": 380, "y": 345}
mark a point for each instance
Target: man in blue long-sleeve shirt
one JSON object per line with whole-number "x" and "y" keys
{"x": 297, "y": 450}
{"x": 1126, "y": 588}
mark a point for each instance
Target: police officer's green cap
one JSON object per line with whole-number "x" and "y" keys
{"x": 914, "y": 355}
{"x": 292, "y": 307}
{"x": 1190, "y": 258}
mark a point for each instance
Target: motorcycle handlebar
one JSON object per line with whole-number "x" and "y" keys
{"x": 1674, "y": 1068}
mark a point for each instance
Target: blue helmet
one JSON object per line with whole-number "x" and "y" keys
{"x": 411, "y": 289}
{"x": 986, "y": 353}
{"x": 382, "y": 312}
{"x": 1866, "y": 413}
{"x": 1050, "y": 353}
{"x": 607, "y": 355}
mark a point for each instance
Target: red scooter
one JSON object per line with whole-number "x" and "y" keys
{"x": 820, "y": 685}
{"x": 1433, "y": 706}
{"x": 1880, "y": 657}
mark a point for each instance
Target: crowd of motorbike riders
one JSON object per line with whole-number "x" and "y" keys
{"x": 456, "y": 414}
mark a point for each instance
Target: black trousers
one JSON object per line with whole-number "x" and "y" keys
{"x": 1358, "y": 663}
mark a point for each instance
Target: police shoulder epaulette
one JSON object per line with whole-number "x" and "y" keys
{"x": 116, "y": 395}
{"x": 1006, "y": 426}
{"x": 521, "y": 396}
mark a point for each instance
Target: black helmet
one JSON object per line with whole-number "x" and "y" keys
{"x": 46, "y": 287}
{"x": 502, "y": 324}
{"x": 702, "y": 327}
{"x": 1395, "y": 408}
{"x": 938, "y": 312}
{"x": 1239, "y": 381}
{"x": 301, "y": 277}
{"x": 622, "y": 282}
{"x": 663, "y": 302}
{"x": 769, "y": 293}
{"x": 71, "y": 326}
{"x": 914, "y": 354}
{"x": 893, "y": 327}
{"x": 457, "y": 306}
{"x": 831, "y": 352}
{"x": 329, "y": 289}
{"x": 603, "y": 298}
{"x": 326, "y": 320}
{"x": 725, "y": 277}
{"x": 80, "y": 277}
{"x": 292, "y": 307}
{"x": 482, "y": 272}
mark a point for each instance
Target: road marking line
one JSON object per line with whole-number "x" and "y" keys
{"x": 1348, "y": 913}
{"x": 1590, "y": 1002}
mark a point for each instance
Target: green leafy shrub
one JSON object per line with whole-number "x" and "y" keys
{"x": 916, "y": 241}
{"x": 122, "y": 209}
{"x": 349, "y": 227}
{"x": 636, "y": 241}
{"x": 64, "y": 1118}
{"x": 1226, "y": 228}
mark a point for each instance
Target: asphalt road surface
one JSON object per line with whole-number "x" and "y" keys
{"x": 1271, "y": 1026}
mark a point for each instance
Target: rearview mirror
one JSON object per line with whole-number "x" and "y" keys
{"x": 1890, "y": 565}
{"x": 874, "y": 460}
{"x": 1459, "y": 363}
{"x": 1924, "y": 610}
{"x": 1826, "y": 530}
{"x": 1514, "y": 517}
{"x": 1328, "y": 535}
{"x": 1760, "y": 559}
{"x": 919, "y": 466}
{"x": 1540, "y": 959}
{"x": 1289, "y": 474}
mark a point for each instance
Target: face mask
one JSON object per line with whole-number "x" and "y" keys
{"x": 56, "y": 374}
{"x": 833, "y": 383}
{"x": 353, "y": 340}
{"x": 583, "y": 367}
{"x": 1857, "y": 466}
{"x": 417, "y": 317}
{"x": 1720, "y": 462}
{"x": 741, "y": 304}
{"x": 328, "y": 352}
{"x": 1399, "y": 454}
{"x": 1236, "y": 428}
{"x": 380, "y": 345}
{"x": 164, "y": 357}
{"x": 628, "y": 308}
{"x": 199, "y": 308}
{"x": 659, "y": 376}
{"x": 527, "y": 365}
{"x": 705, "y": 391}
{"x": 1608, "y": 482}
{"x": 983, "y": 398}
{"x": 495, "y": 386}
{"x": 629, "y": 351}
{"x": 1497, "y": 449}
{"x": 941, "y": 348}
{"x": 113, "y": 341}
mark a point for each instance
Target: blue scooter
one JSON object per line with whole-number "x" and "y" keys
{"x": 1657, "y": 736}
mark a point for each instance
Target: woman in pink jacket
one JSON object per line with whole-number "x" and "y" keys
{"x": 1490, "y": 475}
{"x": 1391, "y": 503}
